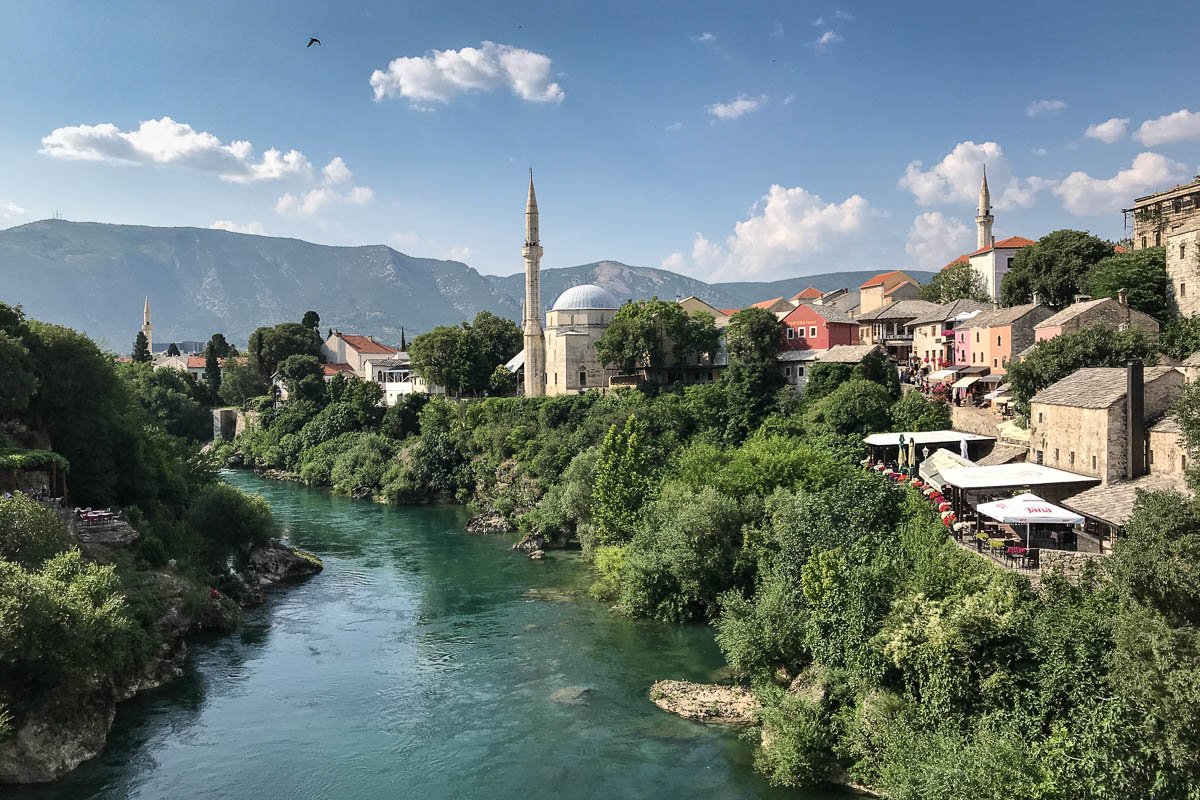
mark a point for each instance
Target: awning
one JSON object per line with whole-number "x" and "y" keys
{"x": 991, "y": 378}
{"x": 1028, "y": 508}
{"x": 963, "y": 383}
{"x": 943, "y": 374}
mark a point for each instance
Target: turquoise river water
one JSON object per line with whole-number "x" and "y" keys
{"x": 422, "y": 663}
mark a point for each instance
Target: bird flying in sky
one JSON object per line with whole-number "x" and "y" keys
{"x": 313, "y": 41}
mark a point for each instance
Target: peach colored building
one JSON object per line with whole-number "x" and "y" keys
{"x": 994, "y": 337}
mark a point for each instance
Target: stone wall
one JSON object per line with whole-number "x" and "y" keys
{"x": 979, "y": 421}
{"x": 1183, "y": 268}
{"x": 1075, "y": 439}
{"x": 225, "y": 420}
{"x": 1069, "y": 563}
{"x": 1167, "y": 453}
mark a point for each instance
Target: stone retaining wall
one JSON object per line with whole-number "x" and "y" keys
{"x": 1069, "y": 563}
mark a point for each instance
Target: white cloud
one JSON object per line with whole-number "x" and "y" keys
{"x": 10, "y": 209}
{"x": 955, "y": 179}
{"x": 1083, "y": 195}
{"x": 674, "y": 127}
{"x": 1110, "y": 131}
{"x": 787, "y": 229}
{"x": 705, "y": 38}
{"x": 818, "y": 22}
{"x": 406, "y": 238}
{"x": 1044, "y": 107}
{"x": 846, "y": 15}
{"x": 442, "y": 75}
{"x": 460, "y": 252}
{"x": 1181, "y": 126}
{"x": 777, "y": 31}
{"x": 935, "y": 239}
{"x": 312, "y": 202}
{"x": 231, "y": 226}
{"x": 336, "y": 171}
{"x": 827, "y": 38}
{"x": 165, "y": 142}
{"x": 787, "y": 101}
{"x": 738, "y": 107}
{"x": 1039, "y": 151}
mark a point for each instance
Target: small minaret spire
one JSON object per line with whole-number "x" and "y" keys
{"x": 147, "y": 328}
{"x": 535, "y": 338}
{"x": 984, "y": 219}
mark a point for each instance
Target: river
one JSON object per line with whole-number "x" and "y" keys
{"x": 422, "y": 663}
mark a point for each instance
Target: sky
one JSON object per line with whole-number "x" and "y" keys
{"x": 726, "y": 141}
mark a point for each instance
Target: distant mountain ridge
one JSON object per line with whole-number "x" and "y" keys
{"x": 93, "y": 277}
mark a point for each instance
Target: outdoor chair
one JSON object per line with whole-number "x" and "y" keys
{"x": 1031, "y": 558}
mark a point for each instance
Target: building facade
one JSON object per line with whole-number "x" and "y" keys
{"x": 994, "y": 337}
{"x": 1085, "y": 312}
{"x": 355, "y": 350}
{"x": 891, "y": 326}
{"x": 884, "y": 289}
{"x": 808, "y": 327}
{"x": 1183, "y": 267}
{"x": 579, "y": 317}
{"x": 934, "y": 333}
{"x": 535, "y": 339}
{"x": 1156, "y": 216}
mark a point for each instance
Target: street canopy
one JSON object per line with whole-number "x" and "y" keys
{"x": 1028, "y": 509}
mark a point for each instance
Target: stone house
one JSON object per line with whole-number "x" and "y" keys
{"x": 693, "y": 303}
{"x": 1183, "y": 267}
{"x": 886, "y": 288}
{"x": 795, "y": 364}
{"x": 809, "y": 295}
{"x": 1085, "y": 422}
{"x": 891, "y": 326}
{"x": 1156, "y": 216}
{"x": 842, "y": 299}
{"x": 994, "y": 337}
{"x": 1085, "y": 312}
{"x": 1167, "y": 454}
{"x": 933, "y": 333}
{"x": 775, "y": 305}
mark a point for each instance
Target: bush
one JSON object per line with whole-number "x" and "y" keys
{"x": 228, "y": 520}
{"x": 30, "y": 533}
{"x": 794, "y": 750}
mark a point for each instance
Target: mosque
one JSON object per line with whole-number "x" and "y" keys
{"x": 561, "y": 357}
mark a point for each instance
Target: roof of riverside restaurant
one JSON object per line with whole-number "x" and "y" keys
{"x": 998, "y": 476}
{"x": 924, "y": 437}
{"x": 1113, "y": 502}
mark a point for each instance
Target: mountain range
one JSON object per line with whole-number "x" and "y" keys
{"x": 94, "y": 277}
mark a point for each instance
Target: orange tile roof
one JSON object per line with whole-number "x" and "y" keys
{"x": 811, "y": 293}
{"x": 963, "y": 259}
{"x": 766, "y": 303}
{"x": 880, "y": 278}
{"x": 1011, "y": 243}
{"x": 197, "y": 362}
{"x": 333, "y": 369}
{"x": 1118, "y": 248}
{"x": 729, "y": 312}
{"x": 362, "y": 344}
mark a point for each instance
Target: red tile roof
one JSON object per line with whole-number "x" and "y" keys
{"x": 197, "y": 362}
{"x": 963, "y": 259}
{"x": 362, "y": 344}
{"x": 811, "y": 293}
{"x": 333, "y": 369}
{"x": 766, "y": 303}
{"x": 729, "y": 312}
{"x": 1118, "y": 248}
{"x": 1011, "y": 243}
{"x": 880, "y": 279}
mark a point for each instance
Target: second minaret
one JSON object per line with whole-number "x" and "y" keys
{"x": 535, "y": 338}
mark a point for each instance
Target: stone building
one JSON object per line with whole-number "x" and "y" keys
{"x": 891, "y": 326}
{"x": 1167, "y": 454}
{"x": 934, "y": 332}
{"x": 884, "y": 289}
{"x": 147, "y": 328}
{"x": 795, "y": 364}
{"x": 994, "y": 337}
{"x": 776, "y": 305}
{"x": 355, "y": 350}
{"x": 1157, "y": 216}
{"x": 1085, "y": 422}
{"x": 1183, "y": 267}
{"x": 720, "y": 315}
{"x": 1085, "y": 312}
{"x": 579, "y": 317}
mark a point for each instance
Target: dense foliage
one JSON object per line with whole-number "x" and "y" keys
{"x": 464, "y": 359}
{"x": 1055, "y": 268}
{"x": 959, "y": 282}
{"x": 654, "y": 334}
{"x": 1141, "y": 273}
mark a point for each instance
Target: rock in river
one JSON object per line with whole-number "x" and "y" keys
{"x": 572, "y": 696}
{"x": 705, "y": 702}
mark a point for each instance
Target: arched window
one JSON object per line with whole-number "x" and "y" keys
{"x": 583, "y": 377}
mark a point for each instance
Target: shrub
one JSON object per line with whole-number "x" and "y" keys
{"x": 229, "y": 520}
{"x": 30, "y": 533}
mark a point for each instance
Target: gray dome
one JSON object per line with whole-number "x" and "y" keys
{"x": 589, "y": 295}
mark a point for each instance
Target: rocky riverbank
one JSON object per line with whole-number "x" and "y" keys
{"x": 731, "y": 705}
{"x": 71, "y": 725}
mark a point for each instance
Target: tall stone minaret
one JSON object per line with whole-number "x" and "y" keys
{"x": 983, "y": 222}
{"x": 147, "y": 328}
{"x": 535, "y": 339}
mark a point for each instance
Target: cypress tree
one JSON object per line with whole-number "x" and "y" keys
{"x": 141, "y": 349}
{"x": 173, "y": 349}
{"x": 212, "y": 371}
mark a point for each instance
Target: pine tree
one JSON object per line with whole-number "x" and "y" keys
{"x": 403, "y": 341}
{"x": 173, "y": 349}
{"x": 141, "y": 349}
{"x": 311, "y": 319}
{"x": 212, "y": 371}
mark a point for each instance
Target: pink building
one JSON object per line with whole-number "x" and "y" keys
{"x": 962, "y": 344}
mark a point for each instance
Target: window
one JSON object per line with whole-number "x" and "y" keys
{"x": 583, "y": 377}
{"x": 1039, "y": 456}
{"x": 799, "y": 372}
{"x": 812, "y": 332}
{"x": 1071, "y": 458}
{"x": 976, "y": 337}
{"x": 1143, "y": 242}
{"x": 1056, "y": 455}
{"x": 1093, "y": 463}
{"x": 1182, "y": 289}
{"x": 1177, "y": 205}
{"x": 1183, "y": 463}
{"x": 1152, "y": 457}
{"x": 1182, "y": 249}
{"x": 995, "y": 362}
{"x": 791, "y": 334}
{"x": 787, "y": 372}
{"x": 1040, "y": 413}
{"x": 556, "y": 379}
{"x": 1158, "y": 238}
{"x": 997, "y": 340}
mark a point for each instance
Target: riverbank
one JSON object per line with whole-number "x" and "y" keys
{"x": 70, "y": 724}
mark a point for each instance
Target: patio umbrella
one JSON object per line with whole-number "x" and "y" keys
{"x": 962, "y": 447}
{"x": 902, "y": 456}
{"x": 1028, "y": 508}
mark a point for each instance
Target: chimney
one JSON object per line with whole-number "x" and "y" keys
{"x": 993, "y": 241}
{"x": 1135, "y": 428}
{"x": 1035, "y": 298}
{"x": 1123, "y": 297}
{"x": 1082, "y": 298}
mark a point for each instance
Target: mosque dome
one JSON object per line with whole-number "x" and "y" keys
{"x": 589, "y": 295}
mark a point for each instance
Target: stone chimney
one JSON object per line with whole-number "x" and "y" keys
{"x": 1135, "y": 427}
{"x": 1123, "y": 297}
{"x": 1082, "y": 298}
{"x": 1035, "y": 298}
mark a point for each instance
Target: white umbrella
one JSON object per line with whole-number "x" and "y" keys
{"x": 1028, "y": 509}
{"x": 962, "y": 447}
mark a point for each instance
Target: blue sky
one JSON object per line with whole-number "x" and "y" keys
{"x": 732, "y": 141}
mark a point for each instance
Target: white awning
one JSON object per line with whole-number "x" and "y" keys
{"x": 963, "y": 383}
{"x": 943, "y": 374}
{"x": 1002, "y": 476}
{"x": 1026, "y": 509}
{"x": 924, "y": 437}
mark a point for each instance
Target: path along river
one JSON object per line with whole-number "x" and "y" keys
{"x": 423, "y": 663}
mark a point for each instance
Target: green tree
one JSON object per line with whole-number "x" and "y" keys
{"x": 502, "y": 382}
{"x": 30, "y": 533}
{"x": 270, "y": 346}
{"x": 1054, "y": 359}
{"x": 752, "y": 340}
{"x": 240, "y": 382}
{"x": 1142, "y": 273}
{"x": 913, "y": 412}
{"x": 20, "y": 380}
{"x": 303, "y": 377}
{"x": 222, "y": 348}
{"x": 1180, "y": 337}
{"x": 172, "y": 349}
{"x": 857, "y": 406}
{"x": 312, "y": 320}
{"x": 1055, "y": 268}
{"x": 440, "y": 357}
{"x": 171, "y": 397}
{"x": 959, "y": 282}
{"x": 622, "y": 483}
{"x": 212, "y": 372}
{"x": 656, "y": 334}
{"x": 141, "y": 348}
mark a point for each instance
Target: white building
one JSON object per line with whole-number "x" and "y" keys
{"x": 395, "y": 375}
{"x": 992, "y": 259}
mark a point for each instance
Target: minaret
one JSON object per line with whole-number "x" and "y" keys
{"x": 147, "y": 328}
{"x": 983, "y": 222}
{"x": 535, "y": 339}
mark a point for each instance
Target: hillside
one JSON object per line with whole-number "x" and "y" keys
{"x": 93, "y": 277}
